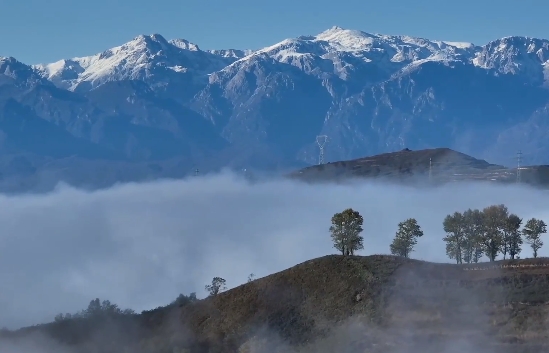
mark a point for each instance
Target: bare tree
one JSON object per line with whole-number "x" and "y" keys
{"x": 533, "y": 229}
{"x": 345, "y": 231}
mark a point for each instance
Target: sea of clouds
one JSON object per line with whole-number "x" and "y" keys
{"x": 140, "y": 245}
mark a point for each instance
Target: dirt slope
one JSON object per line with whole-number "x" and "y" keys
{"x": 340, "y": 304}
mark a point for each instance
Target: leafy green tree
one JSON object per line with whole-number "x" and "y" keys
{"x": 217, "y": 286}
{"x": 473, "y": 229}
{"x": 454, "y": 226}
{"x": 533, "y": 229}
{"x": 406, "y": 237}
{"x": 495, "y": 217}
{"x": 512, "y": 236}
{"x": 345, "y": 231}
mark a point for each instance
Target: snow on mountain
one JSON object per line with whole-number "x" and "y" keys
{"x": 224, "y": 53}
{"x": 146, "y": 57}
{"x": 342, "y": 51}
{"x": 356, "y": 58}
{"x": 348, "y": 53}
{"x": 339, "y": 52}
{"x": 370, "y": 93}
{"x": 184, "y": 44}
{"x": 20, "y": 75}
{"x": 546, "y": 74}
{"x": 231, "y": 53}
{"x": 515, "y": 55}
{"x": 385, "y": 92}
{"x": 404, "y": 48}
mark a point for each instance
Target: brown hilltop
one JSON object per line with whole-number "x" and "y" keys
{"x": 409, "y": 166}
{"x": 368, "y": 304}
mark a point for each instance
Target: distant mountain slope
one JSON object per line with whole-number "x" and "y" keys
{"x": 423, "y": 167}
{"x": 153, "y": 99}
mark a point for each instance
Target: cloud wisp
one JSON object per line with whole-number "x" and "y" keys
{"x": 140, "y": 245}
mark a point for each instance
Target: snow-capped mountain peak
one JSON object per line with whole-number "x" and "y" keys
{"x": 369, "y": 92}
{"x": 137, "y": 59}
{"x": 336, "y": 51}
{"x": 121, "y": 62}
{"x": 344, "y": 52}
{"x": 346, "y": 39}
{"x": 354, "y": 40}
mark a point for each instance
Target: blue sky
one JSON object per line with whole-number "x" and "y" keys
{"x": 36, "y": 31}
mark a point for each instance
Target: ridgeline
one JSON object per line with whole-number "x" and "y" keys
{"x": 428, "y": 167}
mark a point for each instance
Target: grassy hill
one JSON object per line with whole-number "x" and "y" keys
{"x": 429, "y": 166}
{"x": 336, "y": 304}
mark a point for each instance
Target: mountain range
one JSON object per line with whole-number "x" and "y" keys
{"x": 161, "y": 108}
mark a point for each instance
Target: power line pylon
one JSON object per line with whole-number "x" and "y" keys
{"x": 430, "y": 169}
{"x": 321, "y": 142}
{"x": 519, "y": 160}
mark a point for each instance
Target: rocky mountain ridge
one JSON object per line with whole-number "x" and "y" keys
{"x": 152, "y": 99}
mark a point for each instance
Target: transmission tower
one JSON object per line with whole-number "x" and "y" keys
{"x": 321, "y": 141}
{"x": 519, "y": 159}
{"x": 430, "y": 168}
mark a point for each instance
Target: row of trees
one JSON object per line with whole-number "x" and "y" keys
{"x": 469, "y": 235}
{"x": 490, "y": 232}
{"x": 96, "y": 309}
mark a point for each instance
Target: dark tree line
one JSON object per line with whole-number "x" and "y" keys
{"x": 492, "y": 231}
{"x": 183, "y": 300}
{"x": 470, "y": 235}
{"x": 96, "y": 309}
